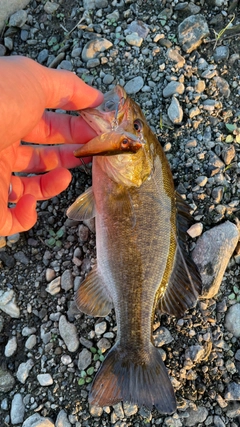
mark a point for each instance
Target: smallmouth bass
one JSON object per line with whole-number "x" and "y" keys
{"x": 142, "y": 264}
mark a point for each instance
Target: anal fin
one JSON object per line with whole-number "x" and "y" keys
{"x": 92, "y": 297}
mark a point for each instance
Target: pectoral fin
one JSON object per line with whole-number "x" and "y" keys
{"x": 83, "y": 207}
{"x": 92, "y": 297}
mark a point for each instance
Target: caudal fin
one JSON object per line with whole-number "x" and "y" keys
{"x": 143, "y": 382}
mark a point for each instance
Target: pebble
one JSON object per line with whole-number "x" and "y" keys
{"x": 173, "y": 88}
{"x": 54, "y": 286}
{"x": 218, "y": 422}
{"x": 103, "y": 344}
{"x": 212, "y": 254}
{"x": 95, "y": 411}
{"x": 8, "y": 305}
{"x": 45, "y": 379}
{"x": 11, "y": 347}
{"x": 92, "y": 63}
{"x": 84, "y": 359}
{"x": 26, "y": 331}
{"x": 228, "y": 153}
{"x": 221, "y": 53}
{"x": 134, "y": 85}
{"x": 139, "y": 27}
{"x": 191, "y": 31}
{"x": 3, "y": 241}
{"x": 17, "y": 409}
{"x": 162, "y": 336}
{"x": 175, "y": 112}
{"x": 50, "y": 274}
{"x": 68, "y": 332}
{"x": 31, "y": 342}
{"x": 195, "y": 230}
{"x": 62, "y": 419}
{"x": 94, "y": 47}
{"x": 7, "y": 381}
{"x": 83, "y": 233}
{"x": 14, "y": 238}
{"x": 65, "y": 65}
{"x": 43, "y": 56}
{"x": 175, "y": 56}
{"x": 129, "y": 409}
{"x": 36, "y": 420}
{"x": 18, "y": 19}
{"x": 51, "y": 7}
{"x": 232, "y": 322}
{"x": 233, "y": 392}
{"x": 223, "y": 86}
{"x": 108, "y": 79}
{"x": 67, "y": 280}
{"x": 196, "y": 416}
{"x": 134, "y": 40}
{"x": 23, "y": 370}
{"x": 21, "y": 257}
{"x": 194, "y": 354}
{"x": 100, "y": 328}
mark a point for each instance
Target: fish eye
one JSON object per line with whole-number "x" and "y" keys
{"x": 138, "y": 125}
{"x": 125, "y": 142}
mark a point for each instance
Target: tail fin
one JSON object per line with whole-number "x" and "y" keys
{"x": 142, "y": 382}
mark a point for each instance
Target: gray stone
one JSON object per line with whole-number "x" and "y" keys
{"x": 103, "y": 344}
{"x": 221, "y": 53}
{"x": 191, "y": 32}
{"x": 14, "y": 238}
{"x": 108, "y": 79}
{"x": 53, "y": 287}
{"x": 83, "y": 233}
{"x": 223, "y": 86}
{"x": 21, "y": 257}
{"x": 100, "y": 328}
{"x": 228, "y": 153}
{"x": 76, "y": 52}
{"x": 31, "y": 342}
{"x": 23, "y": 370}
{"x": 212, "y": 253}
{"x": 175, "y": 56}
{"x": 92, "y": 63}
{"x": 84, "y": 359}
{"x": 162, "y": 336}
{"x": 11, "y": 347}
{"x": 175, "y": 112}
{"x": 233, "y": 390}
{"x": 67, "y": 280}
{"x": 8, "y": 305}
{"x": 7, "y": 381}
{"x": 217, "y": 421}
{"x": 134, "y": 85}
{"x": 194, "y": 354}
{"x": 94, "y": 47}
{"x": 129, "y": 409}
{"x": 26, "y": 331}
{"x": 65, "y": 65}
{"x": 232, "y": 320}
{"x": 42, "y": 56}
{"x": 68, "y": 332}
{"x": 101, "y": 4}
{"x": 8, "y": 7}
{"x": 173, "y": 88}
{"x": 196, "y": 416}
{"x": 18, "y": 19}
{"x": 8, "y": 42}
{"x": 17, "y": 409}
{"x": 36, "y": 420}
{"x": 45, "y": 379}
{"x": 3, "y": 51}
{"x": 50, "y": 7}
{"x": 62, "y": 419}
{"x": 139, "y": 27}
{"x": 134, "y": 40}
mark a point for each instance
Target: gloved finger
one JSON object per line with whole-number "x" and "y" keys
{"x": 20, "y": 218}
{"x": 42, "y": 186}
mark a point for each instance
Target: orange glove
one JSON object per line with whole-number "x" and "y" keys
{"x": 26, "y": 89}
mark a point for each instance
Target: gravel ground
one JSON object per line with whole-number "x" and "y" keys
{"x": 184, "y": 71}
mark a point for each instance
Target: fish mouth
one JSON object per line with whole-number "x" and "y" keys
{"x": 111, "y": 143}
{"x": 108, "y": 115}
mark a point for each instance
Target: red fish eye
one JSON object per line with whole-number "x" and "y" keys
{"x": 138, "y": 125}
{"x": 125, "y": 142}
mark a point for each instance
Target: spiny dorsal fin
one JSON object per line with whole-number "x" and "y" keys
{"x": 92, "y": 297}
{"x": 83, "y": 207}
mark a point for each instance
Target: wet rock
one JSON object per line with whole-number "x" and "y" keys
{"x": 21, "y": 257}
{"x": 18, "y": 19}
{"x": 191, "y": 32}
{"x": 175, "y": 112}
{"x": 212, "y": 253}
{"x": 134, "y": 85}
{"x": 94, "y": 47}
{"x": 68, "y": 333}
{"x": 84, "y": 359}
{"x": 7, "y": 381}
{"x": 23, "y": 370}
{"x": 173, "y": 88}
{"x": 36, "y": 420}
{"x": 196, "y": 416}
{"x": 232, "y": 320}
{"x": 17, "y": 409}
{"x": 233, "y": 390}
{"x": 8, "y": 305}
{"x": 65, "y": 65}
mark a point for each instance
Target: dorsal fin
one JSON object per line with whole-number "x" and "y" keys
{"x": 83, "y": 207}
{"x": 185, "y": 283}
{"x": 92, "y": 297}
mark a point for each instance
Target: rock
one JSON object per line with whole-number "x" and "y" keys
{"x": 26, "y": 331}
{"x": 95, "y": 411}
{"x": 101, "y": 4}
{"x": 45, "y": 379}
{"x": 3, "y": 51}
{"x": 62, "y": 420}
{"x": 175, "y": 112}
{"x": 83, "y": 233}
{"x": 139, "y": 27}
{"x": 129, "y": 409}
{"x": 103, "y": 344}
{"x": 8, "y": 305}
{"x": 8, "y": 8}
{"x": 232, "y": 320}
{"x": 3, "y": 241}
{"x": 191, "y": 32}
{"x": 94, "y": 47}
{"x": 233, "y": 390}
{"x": 212, "y": 253}
{"x": 234, "y": 412}
{"x": 175, "y": 56}
{"x": 7, "y": 260}
{"x": 84, "y": 359}
{"x": 18, "y": 19}
{"x": 194, "y": 354}
{"x": 173, "y": 88}
{"x": 134, "y": 40}
{"x": 196, "y": 416}
{"x": 7, "y": 381}
{"x": 221, "y": 53}
{"x": 11, "y": 347}
{"x": 17, "y": 409}
{"x": 21, "y": 257}
{"x": 195, "y": 230}
{"x": 36, "y": 420}
{"x": 162, "y": 336}
{"x": 108, "y": 79}
{"x": 53, "y": 287}
{"x": 134, "y": 85}
{"x": 100, "y": 328}
{"x": 14, "y": 238}
{"x": 223, "y": 86}
{"x": 92, "y": 63}
{"x": 217, "y": 421}
{"x": 42, "y": 56}
{"x": 31, "y": 342}
{"x": 23, "y": 370}
{"x": 67, "y": 280}
{"x": 65, "y": 65}
{"x": 228, "y": 153}
{"x": 50, "y": 7}
{"x": 68, "y": 332}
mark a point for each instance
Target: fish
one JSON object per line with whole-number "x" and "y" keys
{"x": 142, "y": 262}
